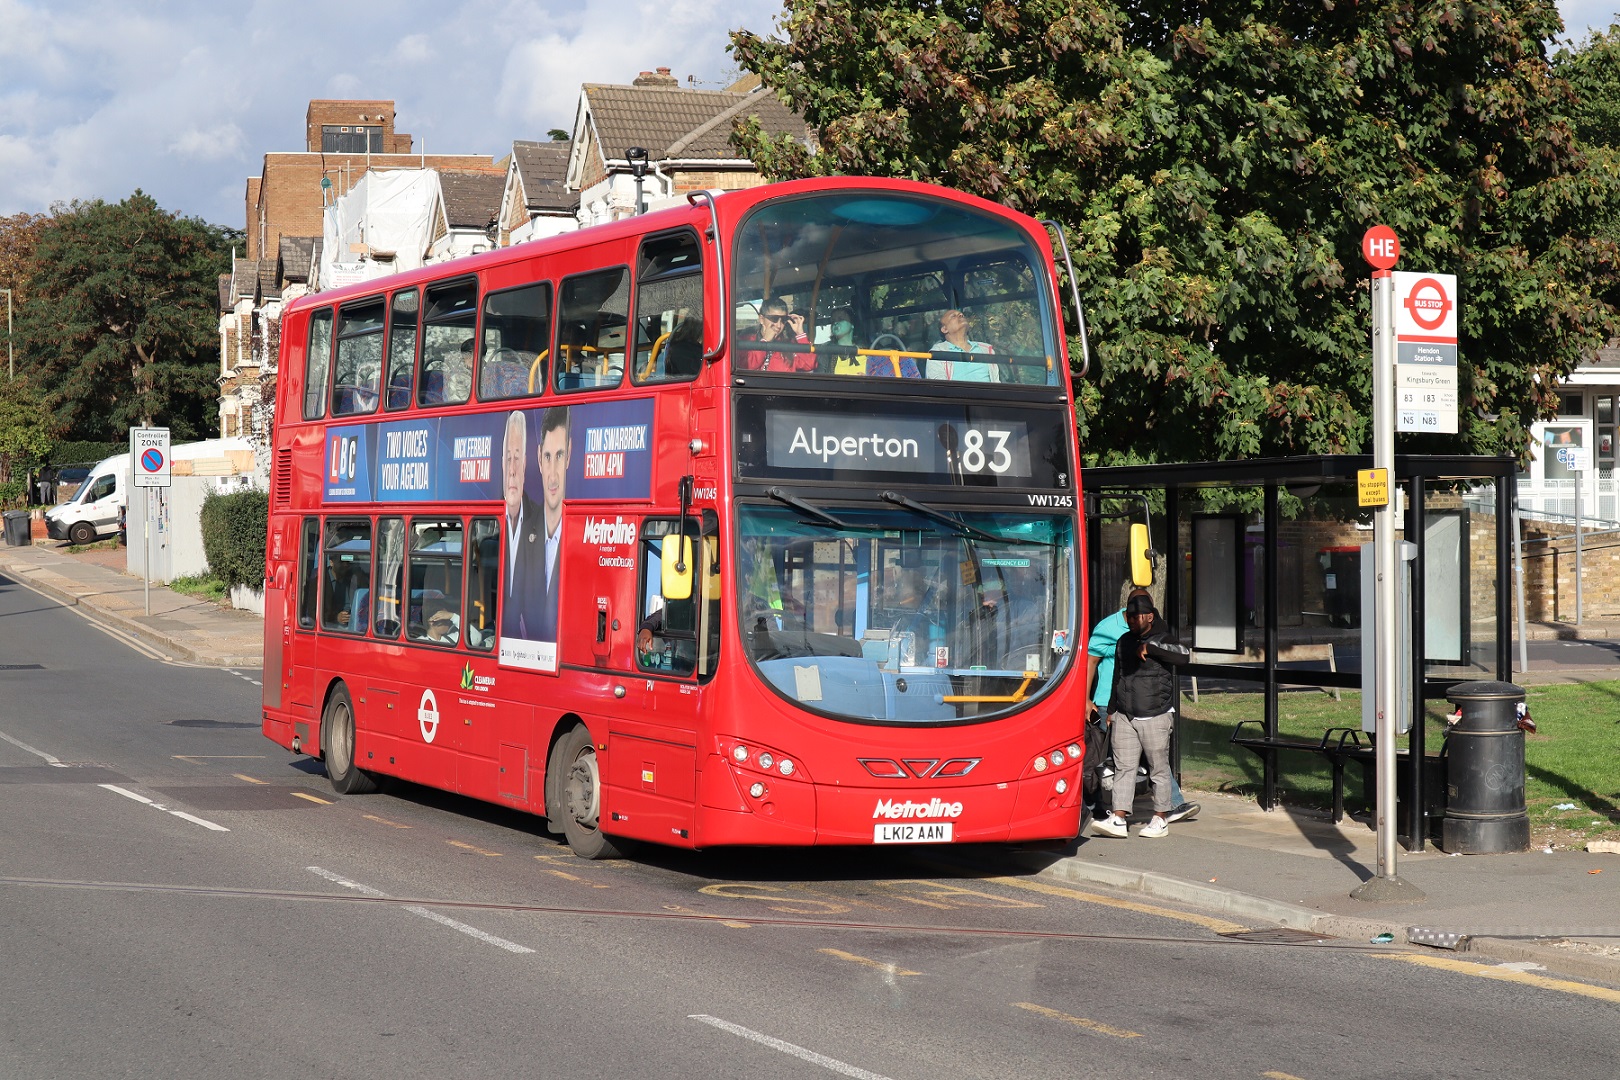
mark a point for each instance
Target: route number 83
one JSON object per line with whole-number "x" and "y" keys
{"x": 974, "y": 454}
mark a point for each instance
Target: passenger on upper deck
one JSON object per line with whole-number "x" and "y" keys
{"x": 953, "y": 325}
{"x": 777, "y": 323}
{"x": 846, "y": 361}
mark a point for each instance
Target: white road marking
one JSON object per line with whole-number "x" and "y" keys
{"x": 841, "y": 1067}
{"x": 426, "y": 913}
{"x": 19, "y": 744}
{"x": 193, "y": 818}
{"x": 243, "y": 677}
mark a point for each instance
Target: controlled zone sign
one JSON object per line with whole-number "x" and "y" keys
{"x": 1425, "y": 352}
{"x": 149, "y": 457}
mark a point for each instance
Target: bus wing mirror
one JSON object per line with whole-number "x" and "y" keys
{"x": 1141, "y": 557}
{"x": 676, "y": 584}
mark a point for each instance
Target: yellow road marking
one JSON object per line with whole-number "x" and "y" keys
{"x": 249, "y": 779}
{"x": 949, "y": 896}
{"x": 1274, "y": 1075}
{"x": 311, "y": 798}
{"x": 887, "y": 969}
{"x": 1079, "y": 1021}
{"x": 723, "y": 922}
{"x": 469, "y": 847}
{"x": 772, "y": 895}
{"x": 1523, "y": 978}
{"x": 384, "y": 821}
{"x": 1208, "y": 922}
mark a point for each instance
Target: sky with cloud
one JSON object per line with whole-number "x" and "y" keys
{"x": 182, "y": 98}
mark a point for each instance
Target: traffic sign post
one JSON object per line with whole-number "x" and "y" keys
{"x": 1577, "y": 459}
{"x": 1382, "y": 249}
{"x": 149, "y": 468}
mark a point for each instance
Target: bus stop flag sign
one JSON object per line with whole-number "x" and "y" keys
{"x": 149, "y": 451}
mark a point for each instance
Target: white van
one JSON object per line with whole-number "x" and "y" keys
{"x": 93, "y": 511}
{"x": 96, "y": 508}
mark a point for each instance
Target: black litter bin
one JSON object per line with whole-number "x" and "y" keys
{"x": 1485, "y": 810}
{"x": 17, "y": 528}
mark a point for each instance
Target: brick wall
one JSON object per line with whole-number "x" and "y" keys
{"x": 1549, "y": 573}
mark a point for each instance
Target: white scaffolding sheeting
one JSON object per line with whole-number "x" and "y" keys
{"x": 381, "y": 225}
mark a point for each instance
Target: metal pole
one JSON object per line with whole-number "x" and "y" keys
{"x": 1580, "y": 517}
{"x": 1384, "y": 565}
{"x": 1387, "y": 885}
{"x": 1518, "y": 573}
{"x": 146, "y": 570}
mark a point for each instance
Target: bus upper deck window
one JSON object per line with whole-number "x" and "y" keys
{"x": 669, "y": 309}
{"x": 402, "y": 348}
{"x": 516, "y": 336}
{"x": 317, "y": 364}
{"x": 449, "y": 328}
{"x": 592, "y": 310}
{"x": 357, "y": 374}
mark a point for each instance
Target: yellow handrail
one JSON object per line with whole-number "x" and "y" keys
{"x": 1016, "y": 696}
{"x": 652, "y": 357}
{"x": 534, "y": 368}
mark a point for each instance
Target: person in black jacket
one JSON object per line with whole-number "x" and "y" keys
{"x": 1142, "y": 708}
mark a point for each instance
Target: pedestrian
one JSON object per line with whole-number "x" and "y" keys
{"x": 1143, "y": 701}
{"x": 1099, "y": 688}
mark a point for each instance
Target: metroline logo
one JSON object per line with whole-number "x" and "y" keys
{"x": 934, "y": 808}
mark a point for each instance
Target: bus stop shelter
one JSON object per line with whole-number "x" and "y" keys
{"x": 1260, "y": 572}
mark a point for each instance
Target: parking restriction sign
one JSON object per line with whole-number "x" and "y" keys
{"x": 149, "y": 457}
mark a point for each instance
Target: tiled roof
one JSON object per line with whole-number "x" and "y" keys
{"x": 296, "y": 257}
{"x": 471, "y": 200}
{"x": 244, "y": 281}
{"x": 543, "y": 168}
{"x": 225, "y": 293}
{"x": 674, "y": 123}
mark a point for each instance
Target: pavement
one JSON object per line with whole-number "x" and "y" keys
{"x": 1288, "y": 868}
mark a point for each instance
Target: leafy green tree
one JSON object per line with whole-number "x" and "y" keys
{"x": 1216, "y": 165}
{"x": 24, "y": 438}
{"x": 122, "y": 323}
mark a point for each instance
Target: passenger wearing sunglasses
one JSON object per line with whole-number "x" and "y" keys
{"x": 777, "y": 323}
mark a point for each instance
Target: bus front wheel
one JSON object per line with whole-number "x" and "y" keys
{"x": 337, "y": 747}
{"x": 580, "y": 789}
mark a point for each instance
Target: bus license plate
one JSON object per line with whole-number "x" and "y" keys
{"x": 912, "y": 832}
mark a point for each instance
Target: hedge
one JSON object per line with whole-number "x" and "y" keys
{"x": 233, "y": 533}
{"x": 81, "y": 452}
{"x": 11, "y": 493}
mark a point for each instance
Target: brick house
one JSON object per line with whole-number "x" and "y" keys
{"x": 536, "y": 202}
{"x": 686, "y": 134}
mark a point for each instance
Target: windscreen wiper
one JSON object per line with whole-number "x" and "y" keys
{"x": 961, "y": 527}
{"x": 812, "y": 510}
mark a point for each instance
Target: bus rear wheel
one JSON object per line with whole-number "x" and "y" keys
{"x": 337, "y": 747}
{"x": 579, "y": 788}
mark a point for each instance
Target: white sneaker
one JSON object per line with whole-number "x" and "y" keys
{"x": 1154, "y": 829}
{"x": 1110, "y": 826}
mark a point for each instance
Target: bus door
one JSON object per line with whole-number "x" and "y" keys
{"x": 675, "y": 650}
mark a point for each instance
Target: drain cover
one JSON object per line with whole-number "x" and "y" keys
{"x": 22, "y": 667}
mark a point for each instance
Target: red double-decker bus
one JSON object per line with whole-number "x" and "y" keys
{"x": 750, "y": 521}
